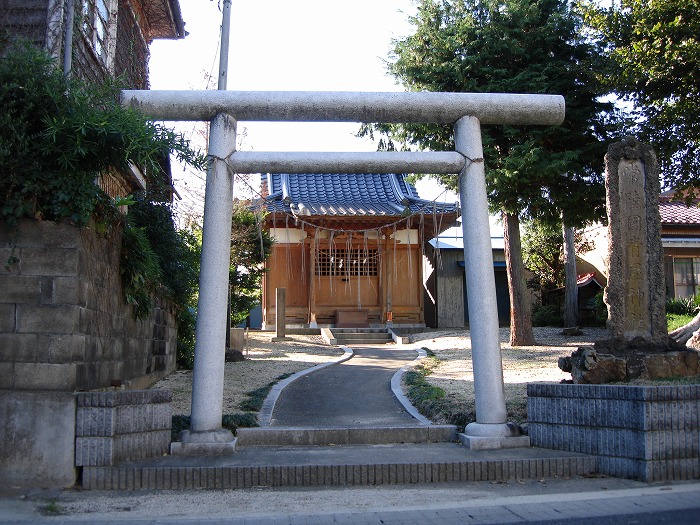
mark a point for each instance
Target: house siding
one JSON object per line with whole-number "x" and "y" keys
{"x": 28, "y": 19}
{"x": 450, "y": 291}
{"x": 25, "y": 19}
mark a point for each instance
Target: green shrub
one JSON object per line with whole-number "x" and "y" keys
{"x": 674, "y": 321}
{"x": 57, "y": 135}
{"x": 546, "y": 315}
{"x": 683, "y": 305}
{"x": 141, "y": 273}
{"x": 600, "y": 308}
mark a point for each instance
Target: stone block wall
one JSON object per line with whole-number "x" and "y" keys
{"x": 64, "y": 322}
{"x": 649, "y": 433}
{"x": 113, "y": 427}
{"x": 65, "y": 327}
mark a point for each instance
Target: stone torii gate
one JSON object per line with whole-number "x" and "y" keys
{"x": 466, "y": 111}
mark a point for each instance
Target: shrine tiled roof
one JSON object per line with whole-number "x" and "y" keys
{"x": 675, "y": 212}
{"x": 347, "y": 195}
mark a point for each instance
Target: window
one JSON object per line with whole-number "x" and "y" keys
{"x": 686, "y": 276}
{"x": 96, "y": 18}
{"x": 356, "y": 262}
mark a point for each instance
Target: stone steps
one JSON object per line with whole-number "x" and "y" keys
{"x": 291, "y": 436}
{"x": 365, "y": 336}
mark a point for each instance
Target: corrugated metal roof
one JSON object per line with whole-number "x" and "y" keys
{"x": 333, "y": 194}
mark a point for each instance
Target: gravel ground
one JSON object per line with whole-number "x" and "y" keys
{"x": 266, "y": 361}
{"x": 521, "y": 365}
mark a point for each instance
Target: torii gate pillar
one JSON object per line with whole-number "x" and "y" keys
{"x": 206, "y": 436}
{"x": 491, "y": 429}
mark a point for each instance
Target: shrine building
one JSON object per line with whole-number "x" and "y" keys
{"x": 348, "y": 248}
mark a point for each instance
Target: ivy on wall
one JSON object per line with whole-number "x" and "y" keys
{"x": 57, "y": 136}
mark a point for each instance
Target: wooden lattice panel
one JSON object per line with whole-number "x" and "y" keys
{"x": 355, "y": 262}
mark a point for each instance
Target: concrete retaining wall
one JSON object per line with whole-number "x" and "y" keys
{"x": 650, "y": 433}
{"x": 37, "y": 439}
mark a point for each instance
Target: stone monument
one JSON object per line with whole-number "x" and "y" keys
{"x": 636, "y": 292}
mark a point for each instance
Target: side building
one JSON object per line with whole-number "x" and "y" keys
{"x": 680, "y": 237}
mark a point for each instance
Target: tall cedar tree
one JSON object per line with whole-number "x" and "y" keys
{"x": 513, "y": 46}
{"x": 655, "y": 64}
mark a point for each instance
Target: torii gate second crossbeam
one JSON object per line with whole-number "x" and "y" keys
{"x": 466, "y": 111}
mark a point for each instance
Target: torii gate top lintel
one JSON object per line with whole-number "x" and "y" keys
{"x": 347, "y": 106}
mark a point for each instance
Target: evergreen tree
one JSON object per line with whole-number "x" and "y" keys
{"x": 654, "y": 48}
{"x": 513, "y": 46}
{"x": 251, "y": 246}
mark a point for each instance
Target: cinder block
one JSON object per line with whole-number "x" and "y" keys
{"x": 45, "y": 376}
{"x": 93, "y": 451}
{"x": 95, "y": 421}
{"x": 20, "y": 289}
{"x": 48, "y": 319}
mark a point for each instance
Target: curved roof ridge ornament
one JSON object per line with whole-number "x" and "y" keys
{"x": 284, "y": 182}
{"x": 398, "y": 193}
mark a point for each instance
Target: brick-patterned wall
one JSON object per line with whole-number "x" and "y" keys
{"x": 113, "y": 427}
{"x": 650, "y": 433}
{"x": 64, "y": 322}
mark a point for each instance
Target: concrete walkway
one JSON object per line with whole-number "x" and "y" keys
{"x": 354, "y": 393}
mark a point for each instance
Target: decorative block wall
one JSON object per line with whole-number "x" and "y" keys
{"x": 114, "y": 427}
{"x": 649, "y": 433}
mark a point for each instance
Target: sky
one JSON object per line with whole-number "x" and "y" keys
{"x": 280, "y": 45}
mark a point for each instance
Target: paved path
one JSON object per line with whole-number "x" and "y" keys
{"x": 356, "y": 392}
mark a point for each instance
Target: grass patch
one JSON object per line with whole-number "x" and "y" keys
{"x": 51, "y": 509}
{"x": 255, "y": 398}
{"x": 674, "y": 321}
{"x": 428, "y": 399}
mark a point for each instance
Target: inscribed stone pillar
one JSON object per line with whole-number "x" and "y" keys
{"x": 636, "y": 292}
{"x": 280, "y": 314}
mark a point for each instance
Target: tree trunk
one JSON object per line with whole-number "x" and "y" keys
{"x": 570, "y": 278}
{"x": 520, "y": 309}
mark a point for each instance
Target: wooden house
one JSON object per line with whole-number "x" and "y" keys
{"x": 109, "y": 38}
{"x": 349, "y": 248}
{"x": 680, "y": 238}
